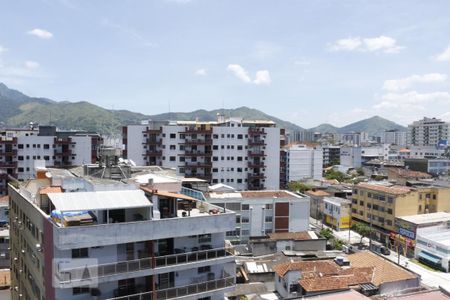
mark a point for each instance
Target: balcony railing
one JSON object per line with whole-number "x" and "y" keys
{"x": 256, "y": 165}
{"x": 152, "y": 142}
{"x": 152, "y": 131}
{"x": 64, "y": 153}
{"x": 256, "y": 131}
{"x": 197, "y": 165}
{"x": 153, "y": 153}
{"x": 197, "y": 131}
{"x": 256, "y": 176}
{"x": 178, "y": 292}
{"x": 207, "y": 141}
{"x": 256, "y": 153}
{"x": 64, "y": 141}
{"x": 78, "y": 274}
{"x": 8, "y": 164}
{"x": 255, "y": 187}
{"x": 196, "y": 153}
{"x": 256, "y": 143}
{"x": 12, "y": 152}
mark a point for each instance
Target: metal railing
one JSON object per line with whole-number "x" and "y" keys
{"x": 177, "y": 292}
{"x": 193, "y": 193}
{"x": 76, "y": 274}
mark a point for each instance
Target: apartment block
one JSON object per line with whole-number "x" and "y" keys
{"x": 394, "y": 137}
{"x": 303, "y": 163}
{"x": 353, "y": 138}
{"x": 78, "y": 237}
{"x": 428, "y": 132}
{"x": 244, "y": 154}
{"x": 337, "y": 212}
{"x": 350, "y": 157}
{"x": 259, "y": 213}
{"x": 22, "y": 150}
{"x": 331, "y": 155}
{"x": 379, "y": 203}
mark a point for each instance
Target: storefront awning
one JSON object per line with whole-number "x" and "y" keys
{"x": 430, "y": 257}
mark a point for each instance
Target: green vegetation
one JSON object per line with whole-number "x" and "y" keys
{"x": 338, "y": 244}
{"x": 297, "y": 186}
{"x": 360, "y": 172}
{"x": 362, "y": 229}
{"x": 333, "y": 174}
{"x": 326, "y": 233}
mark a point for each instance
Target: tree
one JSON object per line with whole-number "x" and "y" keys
{"x": 297, "y": 186}
{"x": 326, "y": 233}
{"x": 360, "y": 172}
{"x": 333, "y": 174}
{"x": 362, "y": 229}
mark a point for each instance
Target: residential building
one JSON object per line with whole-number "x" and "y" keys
{"x": 304, "y": 163}
{"x": 316, "y": 203}
{"x": 354, "y": 138}
{"x": 350, "y": 157}
{"x": 4, "y": 248}
{"x": 80, "y": 237}
{"x": 408, "y": 227}
{"x": 428, "y": 132}
{"x": 337, "y": 212}
{"x": 394, "y": 137}
{"x": 4, "y": 210}
{"x": 331, "y": 155}
{"x": 244, "y": 154}
{"x": 434, "y": 166}
{"x": 259, "y": 213}
{"x": 425, "y": 152}
{"x": 402, "y": 176}
{"x": 379, "y": 203}
{"x": 365, "y": 272}
{"x": 433, "y": 247}
{"x": 22, "y": 150}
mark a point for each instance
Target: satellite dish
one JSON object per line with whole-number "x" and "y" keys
{"x": 48, "y": 174}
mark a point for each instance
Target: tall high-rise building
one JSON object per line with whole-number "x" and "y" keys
{"x": 21, "y": 150}
{"x": 428, "y": 132}
{"x": 394, "y": 137}
{"x": 244, "y": 154}
{"x": 304, "y": 163}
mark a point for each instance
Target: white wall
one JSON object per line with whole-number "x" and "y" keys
{"x": 82, "y": 149}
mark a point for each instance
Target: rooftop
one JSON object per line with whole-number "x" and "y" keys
{"x": 390, "y": 189}
{"x": 384, "y": 270}
{"x": 345, "y": 295}
{"x": 253, "y": 194}
{"x": 427, "y": 218}
{"x": 409, "y": 173}
{"x": 337, "y": 201}
{"x": 439, "y": 235}
{"x": 298, "y": 236}
{"x": 317, "y": 193}
{"x": 325, "y": 267}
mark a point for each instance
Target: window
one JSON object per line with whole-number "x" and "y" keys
{"x": 20, "y": 146}
{"x": 245, "y": 207}
{"x": 239, "y": 147}
{"x": 80, "y": 253}
{"x": 215, "y": 158}
{"x": 80, "y": 290}
{"x": 239, "y": 158}
{"x": 239, "y": 136}
{"x": 173, "y": 147}
{"x": 269, "y": 206}
{"x": 173, "y": 158}
{"x": 245, "y": 219}
{"x": 204, "y": 238}
{"x": 268, "y": 219}
{"x": 215, "y": 170}
{"x": 46, "y": 146}
{"x": 216, "y": 147}
{"x": 19, "y": 157}
{"x": 361, "y": 203}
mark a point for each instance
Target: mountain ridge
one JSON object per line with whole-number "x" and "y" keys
{"x": 19, "y": 109}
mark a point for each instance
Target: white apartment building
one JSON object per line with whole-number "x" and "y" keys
{"x": 428, "y": 132}
{"x": 79, "y": 238}
{"x": 350, "y": 157}
{"x": 394, "y": 137}
{"x": 353, "y": 138}
{"x": 259, "y": 213}
{"x": 304, "y": 162}
{"x": 22, "y": 150}
{"x": 244, "y": 154}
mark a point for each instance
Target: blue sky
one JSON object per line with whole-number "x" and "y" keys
{"x": 308, "y": 62}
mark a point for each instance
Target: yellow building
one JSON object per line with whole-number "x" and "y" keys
{"x": 337, "y": 212}
{"x": 379, "y": 204}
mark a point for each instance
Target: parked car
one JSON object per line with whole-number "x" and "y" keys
{"x": 379, "y": 248}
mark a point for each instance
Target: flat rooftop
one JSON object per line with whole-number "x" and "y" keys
{"x": 437, "y": 235}
{"x": 253, "y": 194}
{"x": 336, "y": 200}
{"x": 427, "y": 218}
{"x": 385, "y": 188}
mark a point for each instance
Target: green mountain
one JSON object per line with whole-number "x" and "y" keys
{"x": 325, "y": 128}
{"x": 19, "y": 109}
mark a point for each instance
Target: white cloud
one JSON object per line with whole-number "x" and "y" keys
{"x": 444, "y": 56}
{"x": 3, "y": 49}
{"x": 41, "y": 33}
{"x": 201, "y": 72}
{"x": 31, "y": 65}
{"x": 395, "y": 85}
{"x": 382, "y": 43}
{"x": 239, "y": 72}
{"x": 262, "y": 77}
{"x": 412, "y": 100}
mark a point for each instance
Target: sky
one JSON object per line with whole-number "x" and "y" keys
{"x": 308, "y": 62}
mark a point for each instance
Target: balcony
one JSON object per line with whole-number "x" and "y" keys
{"x": 207, "y": 177}
{"x": 60, "y": 141}
{"x": 152, "y": 131}
{"x": 152, "y": 142}
{"x": 255, "y": 187}
{"x": 73, "y": 276}
{"x": 252, "y": 176}
{"x": 197, "y": 165}
{"x": 153, "y": 153}
{"x": 67, "y": 152}
{"x": 256, "y": 154}
{"x": 197, "y": 142}
{"x": 256, "y": 165}
{"x": 252, "y": 131}
{"x": 183, "y": 291}
{"x": 196, "y": 153}
{"x": 8, "y": 164}
{"x": 256, "y": 143}
{"x": 197, "y": 131}
{"x": 8, "y": 140}
{"x": 12, "y": 152}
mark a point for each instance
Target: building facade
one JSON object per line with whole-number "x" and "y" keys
{"x": 394, "y": 137}
{"x": 337, "y": 212}
{"x": 350, "y": 157}
{"x": 78, "y": 238}
{"x": 428, "y": 132}
{"x": 331, "y": 155}
{"x": 304, "y": 163}
{"x": 240, "y": 153}
{"x": 22, "y": 150}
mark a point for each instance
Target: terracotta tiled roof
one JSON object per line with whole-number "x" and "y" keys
{"x": 394, "y": 189}
{"x": 50, "y": 189}
{"x": 345, "y": 278}
{"x": 318, "y": 193}
{"x": 167, "y": 194}
{"x": 384, "y": 270}
{"x": 409, "y": 173}
{"x": 298, "y": 236}
{"x": 324, "y": 267}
